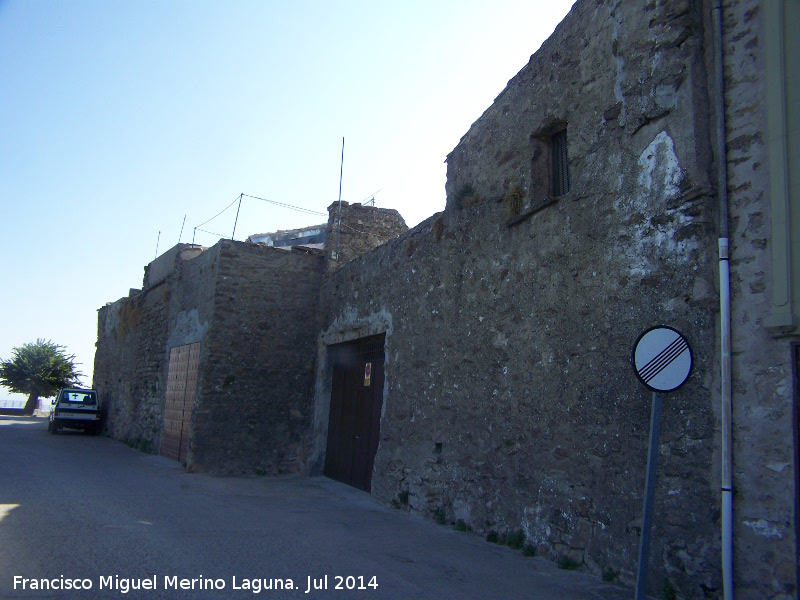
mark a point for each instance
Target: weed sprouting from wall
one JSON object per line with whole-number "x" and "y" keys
{"x": 514, "y": 200}
{"x": 467, "y": 197}
{"x": 438, "y": 228}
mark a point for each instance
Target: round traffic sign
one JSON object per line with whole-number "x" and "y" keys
{"x": 662, "y": 359}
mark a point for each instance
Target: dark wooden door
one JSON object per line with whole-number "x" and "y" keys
{"x": 355, "y": 413}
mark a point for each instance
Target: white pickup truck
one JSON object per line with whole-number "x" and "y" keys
{"x": 75, "y": 408}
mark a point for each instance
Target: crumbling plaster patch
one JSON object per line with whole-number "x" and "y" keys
{"x": 188, "y": 329}
{"x": 349, "y": 326}
{"x": 652, "y": 221}
{"x": 763, "y": 528}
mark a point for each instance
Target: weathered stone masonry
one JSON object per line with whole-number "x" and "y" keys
{"x": 509, "y": 399}
{"x": 765, "y": 388}
{"x": 253, "y": 310}
{"x": 354, "y": 229}
{"x": 581, "y": 209}
{"x": 253, "y": 406}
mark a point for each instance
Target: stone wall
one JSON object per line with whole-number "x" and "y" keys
{"x": 360, "y": 229}
{"x": 257, "y": 370}
{"x": 253, "y": 309}
{"x": 510, "y": 402}
{"x": 764, "y": 393}
{"x": 134, "y": 338}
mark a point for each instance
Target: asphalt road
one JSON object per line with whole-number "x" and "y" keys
{"x": 91, "y": 512}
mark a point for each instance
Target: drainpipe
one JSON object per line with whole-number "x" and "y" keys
{"x": 724, "y": 306}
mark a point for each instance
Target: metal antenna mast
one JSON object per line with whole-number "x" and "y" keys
{"x": 339, "y": 213}
{"x": 237, "y": 216}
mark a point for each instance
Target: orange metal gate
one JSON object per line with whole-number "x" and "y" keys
{"x": 181, "y": 388}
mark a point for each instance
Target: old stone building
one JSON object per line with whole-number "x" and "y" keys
{"x": 477, "y": 368}
{"x": 582, "y": 208}
{"x": 206, "y": 364}
{"x": 212, "y": 361}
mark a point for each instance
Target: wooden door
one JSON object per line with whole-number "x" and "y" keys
{"x": 355, "y": 412}
{"x": 181, "y": 389}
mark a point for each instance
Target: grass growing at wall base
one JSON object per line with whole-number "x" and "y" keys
{"x": 668, "y": 591}
{"x": 516, "y": 539}
{"x": 566, "y": 563}
{"x": 610, "y": 575}
{"x": 141, "y": 445}
{"x": 401, "y": 501}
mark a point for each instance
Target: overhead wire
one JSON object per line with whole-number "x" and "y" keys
{"x": 238, "y": 199}
{"x": 220, "y": 212}
{"x": 371, "y": 197}
{"x": 276, "y": 203}
{"x": 210, "y": 232}
{"x": 298, "y": 208}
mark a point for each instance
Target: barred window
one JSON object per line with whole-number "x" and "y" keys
{"x": 558, "y": 150}
{"x": 549, "y": 163}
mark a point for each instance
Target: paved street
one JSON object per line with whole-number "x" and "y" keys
{"x": 91, "y": 512}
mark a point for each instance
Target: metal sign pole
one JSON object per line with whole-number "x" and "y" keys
{"x": 649, "y": 495}
{"x": 662, "y": 360}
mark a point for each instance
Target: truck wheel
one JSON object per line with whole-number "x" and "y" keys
{"x": 53, "y": 428}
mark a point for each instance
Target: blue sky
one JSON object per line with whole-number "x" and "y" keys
{"x": 117, "y": 119}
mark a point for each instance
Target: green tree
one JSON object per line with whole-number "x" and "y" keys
{"x": 39, "y": 370}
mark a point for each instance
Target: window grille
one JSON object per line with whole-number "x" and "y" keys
{"x": 560, "y": 168}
